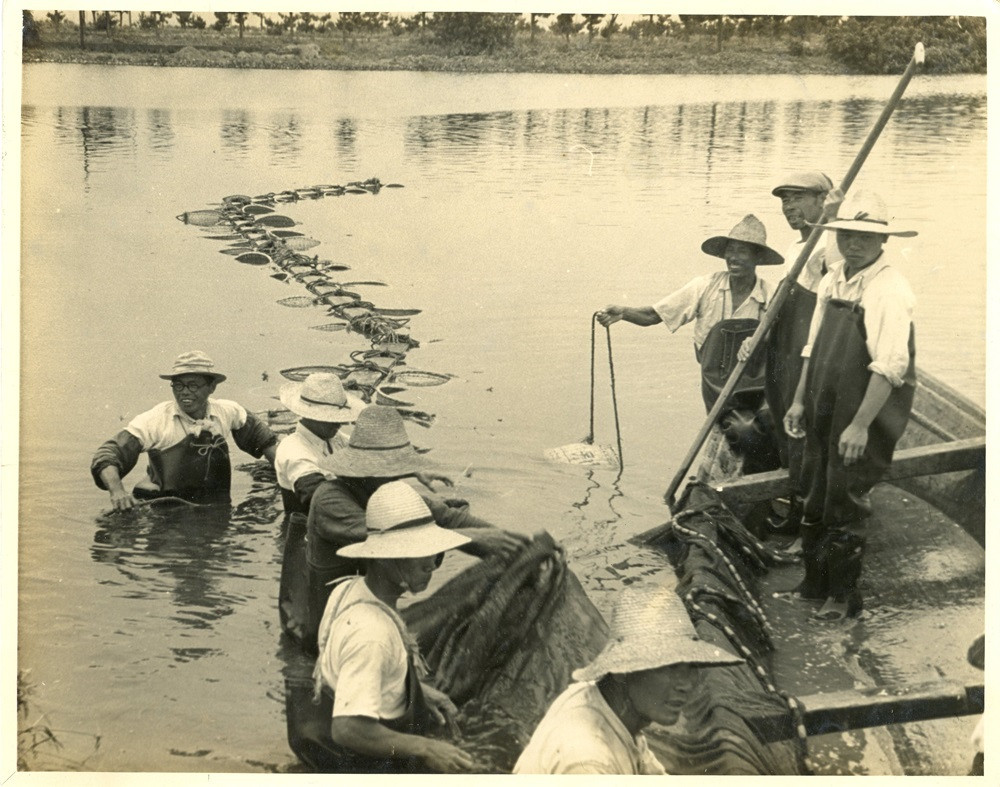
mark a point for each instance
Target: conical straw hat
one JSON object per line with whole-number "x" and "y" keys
{"x": 650, "y": 628}
{"x": 750, "y": 230}
{"x": 378, "y": 448}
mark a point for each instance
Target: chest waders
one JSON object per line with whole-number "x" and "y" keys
{"x": 308, "y": 724}
{"x": 836, "y": 500}
{"x": 293, "y": 589}
{"x": 196, "y": 469}
{"x": 746, "y": 425}
{"x": 783, "y": 365}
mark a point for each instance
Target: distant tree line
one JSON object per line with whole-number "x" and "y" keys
{"x": 865, "y": 44}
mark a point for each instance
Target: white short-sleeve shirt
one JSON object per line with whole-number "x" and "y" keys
{"x": 303, "y": 453}
{"x": 166, "y": 424}
{"x": 363, "y": 659}
{"x": 581, "y": 734}
{"x": 708, "y": 300}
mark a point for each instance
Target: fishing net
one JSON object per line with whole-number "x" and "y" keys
{"x": 719, "y": 565}
{"x": 502, "y": 639}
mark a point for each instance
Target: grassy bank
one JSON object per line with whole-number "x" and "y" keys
{"x": 546, "y": 53}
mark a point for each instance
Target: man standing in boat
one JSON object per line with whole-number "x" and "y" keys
{"x": 804, "y": 199}
{"x": 853, "y": 399}
{"x": 186, "y": 440}
{"x": 646, "y": 673}
{"x": 725, "y": 307}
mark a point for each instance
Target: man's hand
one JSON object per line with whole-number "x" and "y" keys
{"x": 853, "y": 441}
{"x": 610, "y": 314}
{"x": 444, "y": 757}
{"x": 795, "y": 421}
{"x": 442, "y": 708}
{"x": 493, "y": 540}
{"x": 428, "y": 479}
{"x": 744, "y": 352}
{"x": 122, "y": 500}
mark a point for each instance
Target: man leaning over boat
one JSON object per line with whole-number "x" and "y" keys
{"x": 853, "y": 399}
{"x": 646, "y": 673}
{"x": 186, "y": 441}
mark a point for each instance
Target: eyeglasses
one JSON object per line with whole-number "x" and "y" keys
{"x": 193, "y": 387}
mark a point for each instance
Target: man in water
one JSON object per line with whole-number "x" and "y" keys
{"x": 716, "y": 300}
{"x": 853, "y": 399}
{"x": 379, "y": 451}
{"x": 368, "y": 668}
{"x": 186, "y": 440}
{"x": 646, "y": 673}
{"x": 301, "y": 465}
{"x": 803, "y": 198}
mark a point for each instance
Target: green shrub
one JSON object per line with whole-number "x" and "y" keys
{"x": 884, "y": 45}
{"x": 474, "y": 33}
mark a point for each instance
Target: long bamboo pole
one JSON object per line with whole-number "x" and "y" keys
{"x": 780, "y": 296}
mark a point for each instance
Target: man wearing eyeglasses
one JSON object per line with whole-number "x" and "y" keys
{"x": 186, "y": 441}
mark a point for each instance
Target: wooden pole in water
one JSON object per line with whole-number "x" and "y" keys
{"x": 780, "y": 296}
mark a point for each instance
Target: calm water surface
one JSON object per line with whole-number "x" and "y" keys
{"x": 530, "y": 202}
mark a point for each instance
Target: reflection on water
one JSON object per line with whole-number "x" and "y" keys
{"x": 519, "y": 218}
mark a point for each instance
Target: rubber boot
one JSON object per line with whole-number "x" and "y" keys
{"x": 789, "y": 526}
{"x": 845, "y": 553}
{"x": 815, "y": 583}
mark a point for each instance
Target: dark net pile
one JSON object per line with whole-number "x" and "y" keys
{"x": 502, "y": 639}
{"x": 719, "y": 565}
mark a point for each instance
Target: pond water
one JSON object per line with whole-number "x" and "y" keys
{"x": 529, "y": 202}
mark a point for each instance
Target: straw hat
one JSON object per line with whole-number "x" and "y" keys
{"x": 399, "y": 525}
{"x": 749, "y": 230}
{"x": 321, "y": 397}
{"x": 864, "y": 211}
{"x": 650, "y": 628}
{"x": 804, "y": 181}
{"x": 378, "y": 447}
{"x": 194, "y": 362}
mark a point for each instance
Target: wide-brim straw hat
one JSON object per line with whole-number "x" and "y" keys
{"x": 321, "y": 397}
{"x": 399, "y": 525}
{"x": 650, "y": 628}
{"x": 804, "y": 181}
{"x": 749, "y": 230}
{"x": 194, "y": 362}
{"x": 865, "y": 212}
{"x": 379, "y": 447}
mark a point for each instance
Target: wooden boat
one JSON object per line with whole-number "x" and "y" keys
{"x": 934, "y": 493}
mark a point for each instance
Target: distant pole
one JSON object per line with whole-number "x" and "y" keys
{"x": 83, "y": 24}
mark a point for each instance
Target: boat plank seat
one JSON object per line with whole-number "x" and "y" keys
{"x": 851, "y": 709}
{"x": 925, "y": 460}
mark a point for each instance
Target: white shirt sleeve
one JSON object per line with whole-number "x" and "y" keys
{"x": 888, "y": 302}
{"x": 681, "y": 306}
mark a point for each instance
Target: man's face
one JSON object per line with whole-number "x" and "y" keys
{"x": 859, "y": 248}
{"x": 191, "y": 392}
{"x": 801, "y": 207}
{"x": 325, "y": 430}
{"x": 741, "y": 258}
{"x": 660, "y": 694}
{"x": 416, "y": 572}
